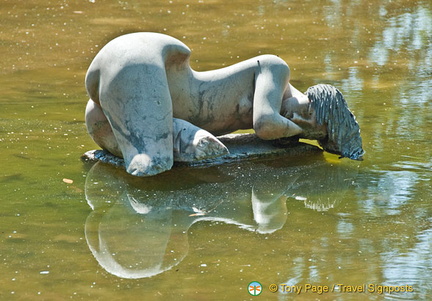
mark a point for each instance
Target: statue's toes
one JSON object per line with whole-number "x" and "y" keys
{"x": 199, "y": 146}
{"x": 207, "y": 146}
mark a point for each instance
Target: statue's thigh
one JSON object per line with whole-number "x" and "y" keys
{"x": 137, "y": 103}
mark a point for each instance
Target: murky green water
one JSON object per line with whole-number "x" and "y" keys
{"x": 205, "y": 234}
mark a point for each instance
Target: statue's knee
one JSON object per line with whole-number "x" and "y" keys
{"x": 143, "y": 165}
{"x": 99, "y": 128}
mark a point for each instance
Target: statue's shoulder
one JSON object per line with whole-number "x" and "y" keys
{"x": 271, "y": 61}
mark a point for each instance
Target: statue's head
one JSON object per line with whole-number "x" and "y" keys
{"x": 343, "y": 132}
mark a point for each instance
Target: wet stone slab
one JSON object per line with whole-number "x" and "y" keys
{"x": 241, "y": 147}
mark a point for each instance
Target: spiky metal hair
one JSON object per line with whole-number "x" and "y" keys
{"x": 331, "y": 109}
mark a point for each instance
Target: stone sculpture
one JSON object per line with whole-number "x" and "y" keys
{"x": 149, "y": 107}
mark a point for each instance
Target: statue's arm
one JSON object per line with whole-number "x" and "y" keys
{"x": 271, "y": 80}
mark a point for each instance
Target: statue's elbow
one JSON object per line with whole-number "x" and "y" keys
{"x": 265, "y": 129}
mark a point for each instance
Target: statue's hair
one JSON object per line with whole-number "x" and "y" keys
{"x": 343, "y": 132}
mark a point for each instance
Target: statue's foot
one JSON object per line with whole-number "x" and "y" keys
{"x": 194, "y": 144}
{"x": 207, "y": 146}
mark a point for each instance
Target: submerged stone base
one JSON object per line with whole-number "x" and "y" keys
{"x": 240, "y": 146}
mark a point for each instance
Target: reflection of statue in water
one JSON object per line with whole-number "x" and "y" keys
{"x": 140, "y": 228}
{"x": 148, "y": 106}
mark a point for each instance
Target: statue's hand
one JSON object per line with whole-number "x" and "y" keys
{"x": 310, "y": 128}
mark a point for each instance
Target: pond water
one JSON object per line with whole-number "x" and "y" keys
{"x": 73, "y": 230}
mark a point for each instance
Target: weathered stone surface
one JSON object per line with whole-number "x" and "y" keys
{"x": 240, "y": 146}
{"x": 148, "y": 106}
